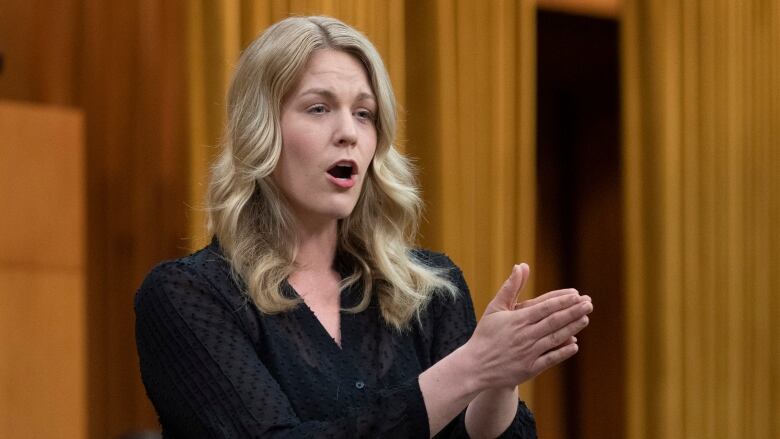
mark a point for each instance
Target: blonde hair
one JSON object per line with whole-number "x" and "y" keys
{"x": 250, "y": 217}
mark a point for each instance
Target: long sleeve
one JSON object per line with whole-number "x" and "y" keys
{"x": 454, "y": 322}
{"x": 202, "y": 370}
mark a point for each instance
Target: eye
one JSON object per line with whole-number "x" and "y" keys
{"x": 317, "y": 109}
{"x": 366, "y": 115}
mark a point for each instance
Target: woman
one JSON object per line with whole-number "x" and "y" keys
{"x": 310, "y": 314}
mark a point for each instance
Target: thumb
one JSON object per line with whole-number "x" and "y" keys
{"x": 507, "y": 294}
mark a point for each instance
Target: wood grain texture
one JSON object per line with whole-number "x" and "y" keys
{"x": 701, "y": 119}
{"x": 132, "y": 89}
{"x": 43, "y": 351}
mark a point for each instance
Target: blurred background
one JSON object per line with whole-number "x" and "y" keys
{"x": 624, "y": 147}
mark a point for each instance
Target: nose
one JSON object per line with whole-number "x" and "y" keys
{"x": 346, "y": 131}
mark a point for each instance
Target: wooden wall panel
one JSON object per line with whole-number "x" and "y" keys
{"x": 701, "y": 199}
{"x": 132, "y": 90}
{"x": 43, "y": 351}
{"x": 39, "y": 66}
{"x": 42, "y": 177}
{"x": 122, "y": 64}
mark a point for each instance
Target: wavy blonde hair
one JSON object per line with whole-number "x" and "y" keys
{"x": 251, "y": 218}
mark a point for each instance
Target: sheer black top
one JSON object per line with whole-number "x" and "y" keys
{"x": 214, "y": 366}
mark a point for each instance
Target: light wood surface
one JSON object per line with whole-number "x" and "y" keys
{"x": 42, "y": 273}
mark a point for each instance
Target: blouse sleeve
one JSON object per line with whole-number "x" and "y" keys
{"x": 454, "y": 323}
{"x": 205, "y": 379}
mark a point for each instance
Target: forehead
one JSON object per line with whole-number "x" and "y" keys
{"x": 328, "y": 66}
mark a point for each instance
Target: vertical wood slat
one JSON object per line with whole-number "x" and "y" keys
{"x": 669, "y": 179}
{"x": 774, "y": 219}
{"x": 718, "y": 325}
{"x": 691, "y": 218}
{"x": 632, "y": 97}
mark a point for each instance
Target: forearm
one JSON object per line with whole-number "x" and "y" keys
{"x": 447, "y": 388}
{"x": 491, "y": 412}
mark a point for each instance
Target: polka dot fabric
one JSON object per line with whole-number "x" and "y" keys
{"x": 216, "y": 367}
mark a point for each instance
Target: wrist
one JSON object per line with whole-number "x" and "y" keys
{"x": 471, "y": 369}
{"x": 500, "y": 391}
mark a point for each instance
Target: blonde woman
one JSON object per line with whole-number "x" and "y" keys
{"x": 311, "y": 314}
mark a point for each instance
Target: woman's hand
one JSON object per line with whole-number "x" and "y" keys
{"x": 511, "y": 344}
{"x": 515, "y": 342}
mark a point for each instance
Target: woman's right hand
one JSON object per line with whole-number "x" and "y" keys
{"x": 514, "y": 342}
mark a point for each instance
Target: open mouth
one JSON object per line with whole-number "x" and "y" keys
{"x": 341, "y": 170}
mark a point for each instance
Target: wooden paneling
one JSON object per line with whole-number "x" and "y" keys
{"x": 132, "y": 91}
{"x": 701, "y": 112}
{"x": 39, "y": 66}
{"x": 43, "y": 352}
{"x": 42, "y": 177}
{"x": 122, "y": 64}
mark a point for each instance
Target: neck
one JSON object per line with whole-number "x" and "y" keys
{"x": 316, "y": 247}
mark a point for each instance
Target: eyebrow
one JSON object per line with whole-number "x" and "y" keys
{"x": 330, "y": 95}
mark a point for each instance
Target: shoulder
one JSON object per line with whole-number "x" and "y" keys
{"x": 204, "y": 274}
{"x": 432, "y": 258}
{"x": 448, "y": 319}
{"x": 443, "y": 264}
{"x": 196, "y": 267}
{"x": 443, "y": 301}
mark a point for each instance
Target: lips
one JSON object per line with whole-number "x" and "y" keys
{"x": 343, "y": 173}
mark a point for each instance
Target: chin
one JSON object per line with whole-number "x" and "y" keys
{"x": 342, "y": 208}
{"x": 341, "y": 214}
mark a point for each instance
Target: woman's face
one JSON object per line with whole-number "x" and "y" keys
{"x": 328, "y": 137}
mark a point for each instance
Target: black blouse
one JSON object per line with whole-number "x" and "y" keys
{"x": 214, "y": 366}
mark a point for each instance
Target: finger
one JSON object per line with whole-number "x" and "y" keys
{"x": 507, "y": 294}
{"x": 526, "y": 273}
{"x": 560, "y": 318}
{"x": 545, "y": 296}
{"x": 558, "y": 338}
{"x": 545, "y": 309}
{"x": 553, "y": 358}
{"x": 571, "y": 340}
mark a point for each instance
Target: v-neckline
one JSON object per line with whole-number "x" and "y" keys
{"x": 320, "y": 331}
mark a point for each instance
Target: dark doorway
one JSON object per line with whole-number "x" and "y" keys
{"x": 580, "y": 222}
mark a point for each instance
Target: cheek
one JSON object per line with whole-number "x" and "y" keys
{"x": 371, "y": 141}
{"x": 296, "y": 154}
